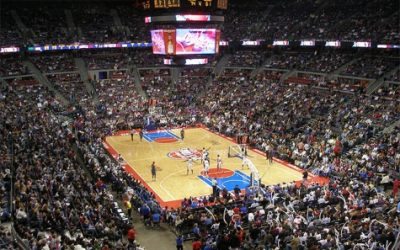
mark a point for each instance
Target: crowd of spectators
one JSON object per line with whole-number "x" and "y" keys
{"x": 326, "y": 132}
{"x": 120, "y": 105}
{"x": 104, "y": 60}
{"x": 9, "y": 35}
{"x": 70, "y": 86}
{"x": 47, "y": 26}
{"x": 96, "y": 23}
{"x": 52, "y": 63}
{"x": 324, "y": 62}
{"x": 294, "y": 20}
{"x": 57, "y": 203}
{"x": 6, "y": 241}
{"x": 248, "y": 58}
{"x": 11, "y": 67}
{"x": 133, "y": 20}
{"x": 395, "y": 76}
{"x": 375, "y": 22}
{"x": 371, "y": 67}
{"x": 389, "y": 90}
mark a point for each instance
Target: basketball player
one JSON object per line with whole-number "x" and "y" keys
{"x": 153, "y": 171}
{"x": 189, "y": 166}
{"x": 204, "y": 155}
{"x": 141, "y": 134}
{"x": 268, "y": 153}
{"x": 271, "y": 153}
{"x": 206, "y": 165}
{"x": 132, "y": 133}
{"x": 244, "y": 151}
{"x": 245, "y": 162}
{"x": 219, "y": 162}
{"x": 182, "y": 134}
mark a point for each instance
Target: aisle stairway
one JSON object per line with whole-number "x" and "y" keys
{"x": 288, "y": 74}
{"x": 337, "y": 72}
{"x": 134, "y": 73}
{"x": 70, "y": 19}
{"x": 45, "y": 82}
{"x": 116, "y": 19}
{"x": 175, "y": 73}
{"x": 375, "y": 85}
{"x": 257, "y": 70}
{"x": 219, "y": 68}
{"x": 83, "y": 72}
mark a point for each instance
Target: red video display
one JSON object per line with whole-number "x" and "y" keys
{"x": 195, "y": 41}
{"x": 185, "y": 41}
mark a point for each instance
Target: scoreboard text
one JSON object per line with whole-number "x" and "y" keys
{"x": 185, "y": 4}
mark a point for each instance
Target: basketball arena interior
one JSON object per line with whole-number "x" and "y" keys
{"x": 200, "y": 124}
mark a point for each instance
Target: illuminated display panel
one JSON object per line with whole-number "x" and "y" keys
{"x": 217, "y": 41}
{"x": 192, "y": 18}
{"x": 9, "y": 49}
{"x": 195, "y": 61}
{"x": 186, "y": 4}
{"x": 157, "y": 40}
{"x": 362, "y": 44}
{"x": 146, "y": 4}
{"x": 388, "y": 46}
{"x": 162, "y": 4}
{"x": 251, "y": 43}
{"x": 307, "y": 43}
{"x": 185, "y": 41}
{"x": 332, "y": 44}
{"x": 200, "y": 3}
{"x": 222, "y": 4}
{"x": 195, "y": 41}
{"x": 281, "y": 43}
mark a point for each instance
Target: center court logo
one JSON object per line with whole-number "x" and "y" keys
{"x": 185, "y": 153}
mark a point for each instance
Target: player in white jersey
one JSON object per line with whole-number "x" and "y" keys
{"x": 204, "y": 155}
{"x": 219, "y": 162}
{"x": 245, "y": 162}
{"x": 206, "y": 165}
{"x": 189, "y": 166}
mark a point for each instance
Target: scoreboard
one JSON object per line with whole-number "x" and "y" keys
{"x": 161, "y": 4}
{"x": 185, "y": 4}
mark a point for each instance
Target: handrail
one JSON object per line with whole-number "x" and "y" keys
{"x": 22, "y": 243}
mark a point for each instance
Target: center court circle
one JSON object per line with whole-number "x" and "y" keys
{"x": 185, "y": 154}
{"x": 220, "y": 173}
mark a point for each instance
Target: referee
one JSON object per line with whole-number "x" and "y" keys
{"x": 153, "y": 171}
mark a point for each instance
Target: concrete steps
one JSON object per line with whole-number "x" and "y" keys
{"x": 337, "y": 72}
{"x": 257, "y": 70}
{"x": 70, "y": 19}
{"x": 175, "y": 74}
{"x": 219, "y": 68}
{"x": 83, "y": 72}
{"x": 390, "y": 128}
{"x": 288, "y": 74}
{"x": 116, "y": 18}
{"x": 37, "y": 74}
{"x": 134, "y": 72}
{"x": 373, "y": 86}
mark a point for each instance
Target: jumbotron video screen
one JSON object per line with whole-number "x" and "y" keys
{"x": 185, "y": 41}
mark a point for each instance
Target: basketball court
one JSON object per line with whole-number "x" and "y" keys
{"x": 170, "y": 155}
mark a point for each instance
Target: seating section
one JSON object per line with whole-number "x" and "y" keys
{"x": 54, "y": 63}
{"x": 370, "y": 67}
{"x": 11, "y": 67}
{"x": 312, "y": 107}
{"x": 273, "y": 20}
